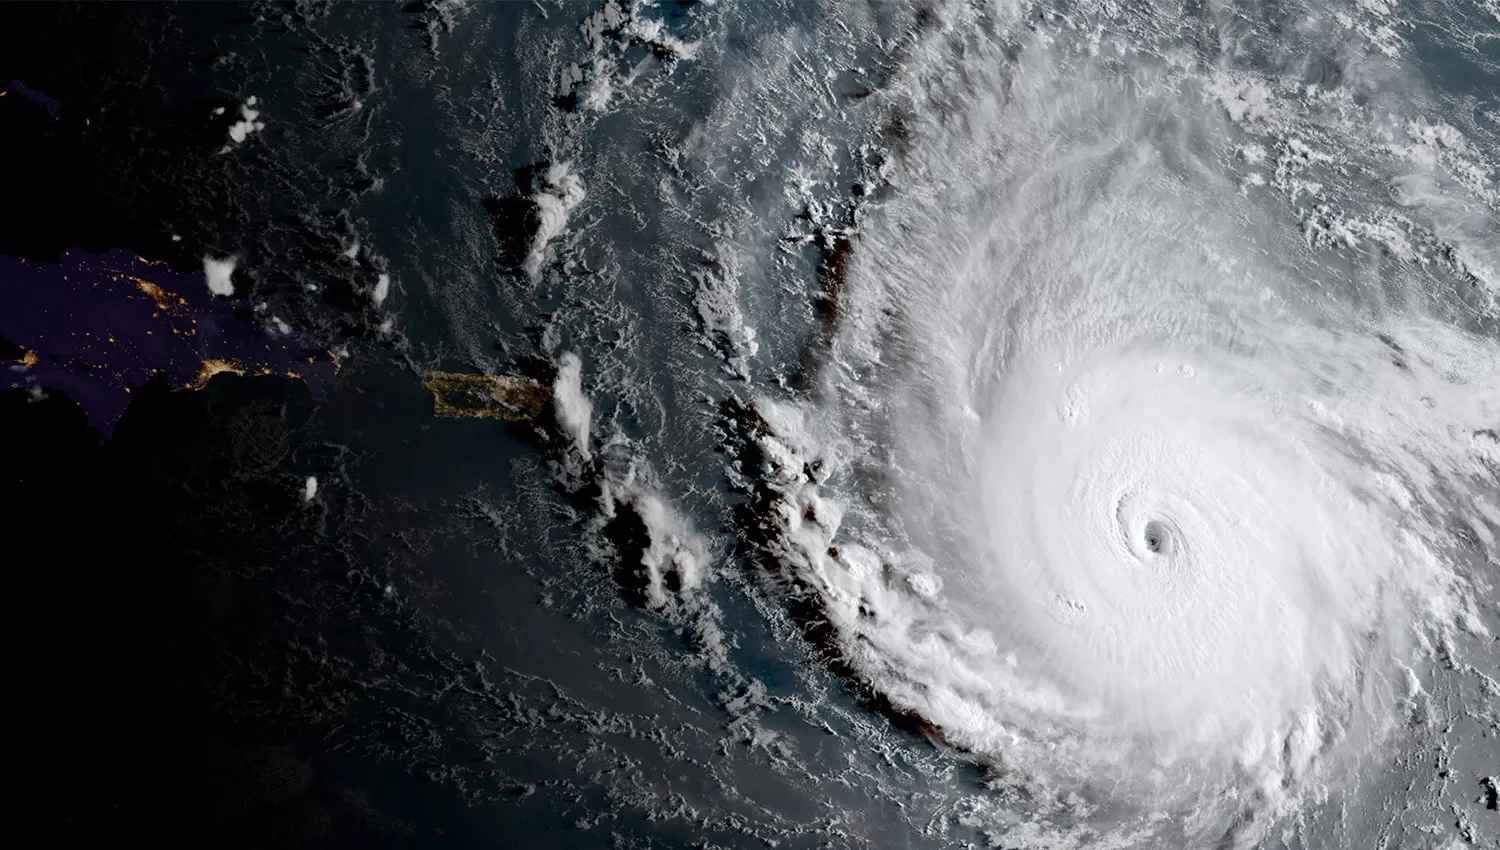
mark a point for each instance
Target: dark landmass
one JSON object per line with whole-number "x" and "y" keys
{"x": 16, "y": 87}
{"x": 94, "y": 326}
{"x": 457, "y": 395}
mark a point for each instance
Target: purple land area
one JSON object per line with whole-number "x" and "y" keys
{"x": 96, "y": 325}
{"x": 54, "y": 107}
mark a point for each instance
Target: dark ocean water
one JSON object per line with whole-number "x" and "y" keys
{"x": 795, "y": 553}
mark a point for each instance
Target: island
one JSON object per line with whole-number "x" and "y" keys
{"x": 458, "y": 395}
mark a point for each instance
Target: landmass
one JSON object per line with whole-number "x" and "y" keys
{"x": 457, "y": 395}
{"x": 95, "y": 326}
{"x": 53, "y": 107}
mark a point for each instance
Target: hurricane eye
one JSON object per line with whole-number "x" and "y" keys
{"x": 1157, "y": 537}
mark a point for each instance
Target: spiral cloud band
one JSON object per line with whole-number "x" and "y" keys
{"x": 1119, "y": 478}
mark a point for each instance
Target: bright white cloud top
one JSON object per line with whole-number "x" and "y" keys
{"x": 220, "y": 274}
{"x": 1115, "y": 476}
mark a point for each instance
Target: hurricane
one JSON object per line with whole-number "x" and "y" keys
{"x": 1115, "y": 475}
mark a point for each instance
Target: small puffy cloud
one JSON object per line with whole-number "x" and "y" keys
{"x": 249, "y": 122}
{"x": 219, "y": 272}
{"x": 381, "y": 290}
